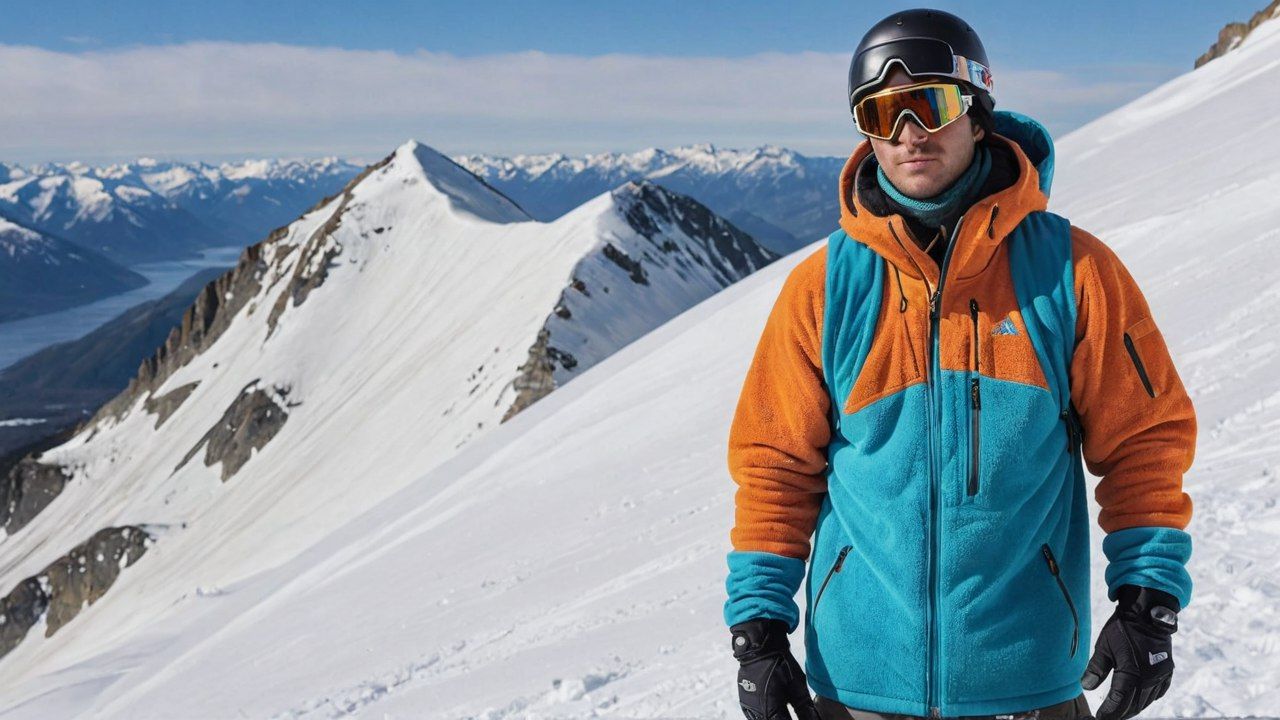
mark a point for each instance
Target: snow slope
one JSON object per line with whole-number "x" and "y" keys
{"x": 383, "y": 330}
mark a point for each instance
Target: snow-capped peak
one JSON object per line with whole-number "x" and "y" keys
{"x": 465, "y": 192}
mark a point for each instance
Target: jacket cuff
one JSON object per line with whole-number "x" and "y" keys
{"x": 1152, "y": 557}
{"x": 763, "y": 585}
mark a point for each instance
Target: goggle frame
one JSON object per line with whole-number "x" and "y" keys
{"x": 966, "y": 102}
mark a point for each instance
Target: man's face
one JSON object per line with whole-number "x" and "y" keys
{"x": 920, "y": 163}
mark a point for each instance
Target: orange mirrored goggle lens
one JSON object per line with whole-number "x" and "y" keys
{"x": 934, "y": 105}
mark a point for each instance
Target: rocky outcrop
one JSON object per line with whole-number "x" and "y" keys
{"x": 628, "y": 264}
{"x": 165, "y": 405}
{"x": 248, "y": 424}
{"x": 1232, "y": 34}
{"x": 27, "y": 489}
{"x": 58, "y": 593}
{"x": 535, "y": 380}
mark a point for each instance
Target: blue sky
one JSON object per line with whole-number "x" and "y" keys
{"x": 96, "y": 80}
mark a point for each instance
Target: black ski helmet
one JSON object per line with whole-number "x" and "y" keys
{"x": 924, "y": 42}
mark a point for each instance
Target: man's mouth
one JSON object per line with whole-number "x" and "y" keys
{"x": 916, "y": 162}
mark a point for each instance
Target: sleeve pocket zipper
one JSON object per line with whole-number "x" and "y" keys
{"x": 835, "y": 568}
{"x": 1053, "y": 568}
{"x": 1137, "y": 363}
{"x": 975, "y": 397}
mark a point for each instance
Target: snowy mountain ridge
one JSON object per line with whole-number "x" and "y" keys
{"x": 390, "y": 325}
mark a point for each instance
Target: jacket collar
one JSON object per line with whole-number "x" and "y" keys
{"x": 984, "y": 225}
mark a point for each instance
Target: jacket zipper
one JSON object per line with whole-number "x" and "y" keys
{"x": 935, "y": 301}
{"x": 835, "y": 568}
{"x": 1137, "y": 362}
{"x": 975, "y": 397}
{"x": 1073, "y": 429}
{"x": 1075, "y": 619}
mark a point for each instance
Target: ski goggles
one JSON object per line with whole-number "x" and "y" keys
{"x": 933, "y": 104}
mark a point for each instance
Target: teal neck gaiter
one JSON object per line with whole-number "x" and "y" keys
{"x": 961, "y": 193}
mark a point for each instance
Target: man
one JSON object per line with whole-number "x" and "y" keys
{"x": 917, "y": 406}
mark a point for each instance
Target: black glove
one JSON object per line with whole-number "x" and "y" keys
{"x": 1136, "y": 642}
{"x": 769, "y": 678}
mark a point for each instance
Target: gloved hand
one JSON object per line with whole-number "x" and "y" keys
{"x": 769, "y": 678}
{"x": 1136, "y": 642}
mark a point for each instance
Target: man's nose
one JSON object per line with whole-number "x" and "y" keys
{"x": 910, "y": 131}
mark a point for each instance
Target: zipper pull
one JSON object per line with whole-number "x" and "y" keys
{"x": 1048, "y": 558}
{"x": 1072, "y": 436}
{"x": 840, "y": 558}
{"x": 975, "y": 394}
{"x": 933, "y": 305}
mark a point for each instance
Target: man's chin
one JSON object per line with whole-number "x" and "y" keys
{"x": 919, "y": 191}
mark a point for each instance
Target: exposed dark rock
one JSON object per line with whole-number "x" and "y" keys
{"x": 627, "y": 263}
{"x": 1233, "y": 33}
{"x": 248, "y": 424}
{"x": 66, "y": 585}
{"x": 167, "y": 404}
{"x": 535, "y": 380}
{"x": 27, "y": 489}
{"x": 580, "y": 287}
{"x": 567, "y": 361}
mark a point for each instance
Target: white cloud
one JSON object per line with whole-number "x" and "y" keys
{"x": 215, "y": 98}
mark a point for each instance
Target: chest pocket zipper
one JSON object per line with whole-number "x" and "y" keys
{"x": 1053, "y": 568}
{"x": 835, "y": 568}
{"x": 975, "y": 401}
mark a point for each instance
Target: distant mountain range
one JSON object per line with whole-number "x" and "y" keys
{"x": 785, "y": 200}
{"x": 148, "y": 210}
{"x": 41, "y": 273}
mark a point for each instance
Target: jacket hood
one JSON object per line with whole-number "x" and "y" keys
{"x": 984, "y": 225}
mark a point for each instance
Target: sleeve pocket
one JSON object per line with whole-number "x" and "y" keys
{"x": 1139, "y": 341}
